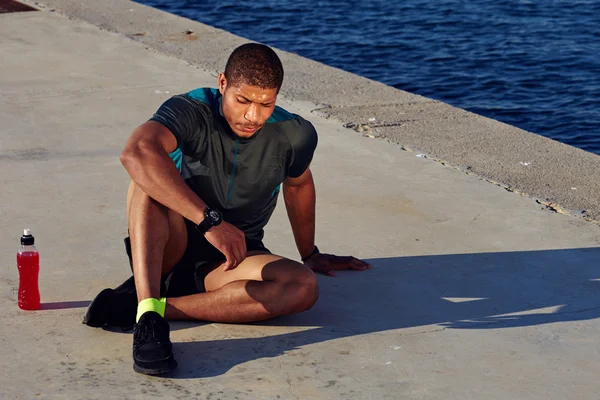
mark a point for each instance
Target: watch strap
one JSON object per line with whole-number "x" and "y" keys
{"x": 209, "y": 221}
{"x": 315, "y": 251}
{"x": 204, "y": 226}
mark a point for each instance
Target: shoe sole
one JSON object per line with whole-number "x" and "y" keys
{"x": 167, "y": 365}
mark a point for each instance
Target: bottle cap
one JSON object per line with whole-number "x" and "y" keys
{"x": 27, "y": 238}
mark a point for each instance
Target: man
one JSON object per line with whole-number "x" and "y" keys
{"x": 206, "y": 171}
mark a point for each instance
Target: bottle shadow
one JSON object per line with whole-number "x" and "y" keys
{"x": 61, "y": 305}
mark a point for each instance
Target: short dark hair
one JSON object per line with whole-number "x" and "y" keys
{"x": 256, "y": 65}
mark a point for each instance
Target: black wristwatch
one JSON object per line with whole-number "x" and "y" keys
{"x": 212, "y": 217}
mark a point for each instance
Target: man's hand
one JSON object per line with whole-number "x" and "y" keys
{"x": 328, "y": 263}
{"x": 230, "y": 241}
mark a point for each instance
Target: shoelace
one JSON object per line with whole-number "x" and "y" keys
{"x": 150, "y": 330}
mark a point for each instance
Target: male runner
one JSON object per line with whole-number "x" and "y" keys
{"x": 206, "y": 172}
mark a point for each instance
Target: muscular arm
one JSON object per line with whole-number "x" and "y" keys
{"x": 300, "y": 200}
{"x": 146, "y": 159}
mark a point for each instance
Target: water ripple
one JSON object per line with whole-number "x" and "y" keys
{"x": 532, "y": 64}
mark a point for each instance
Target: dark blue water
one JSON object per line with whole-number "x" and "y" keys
{"x": 532, "y": 64}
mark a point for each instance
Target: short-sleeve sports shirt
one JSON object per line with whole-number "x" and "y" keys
{"x": 239, "y": 176}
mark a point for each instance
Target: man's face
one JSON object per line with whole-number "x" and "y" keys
{"x": 246, "y": 108}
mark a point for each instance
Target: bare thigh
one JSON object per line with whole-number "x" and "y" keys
{"x": 258, "y": 266}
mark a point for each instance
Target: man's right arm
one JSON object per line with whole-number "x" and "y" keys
{"x": 146, "y": 159}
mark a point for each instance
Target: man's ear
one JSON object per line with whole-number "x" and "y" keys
{"x": 222, "y": 82}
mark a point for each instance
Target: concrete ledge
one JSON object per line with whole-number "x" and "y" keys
{"x": 561, "y": 177}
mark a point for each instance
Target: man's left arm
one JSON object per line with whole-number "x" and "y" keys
{"x": 300, "y": 201}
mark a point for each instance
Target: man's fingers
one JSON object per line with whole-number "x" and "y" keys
{"x": 349, "y": 262}
{"x": 230, "y": 259}
{"x": 236, "y": 257}
{"x": 323, "y": 269}
{"x": 235, "y": 254}
{"x": 229, "y": 264}
{"x": 243, "y": 251}
{"x": 359, "y": 264}
{"x": 353, "y": 262}
{"x": 238, "y": 249}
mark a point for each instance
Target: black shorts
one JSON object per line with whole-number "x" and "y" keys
{"x": 199, "y": 258}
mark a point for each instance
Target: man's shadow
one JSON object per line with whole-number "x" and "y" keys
{"x": 456, "y": 291}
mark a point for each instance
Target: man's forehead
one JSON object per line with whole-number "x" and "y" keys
{"x": 252, "y": 92}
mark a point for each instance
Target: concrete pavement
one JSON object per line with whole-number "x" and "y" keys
{"x": 475, "y": 293}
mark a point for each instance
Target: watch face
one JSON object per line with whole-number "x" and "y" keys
{"x": 214, "y": 215}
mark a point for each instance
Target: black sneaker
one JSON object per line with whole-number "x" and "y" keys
{"x": 113, "y": 307}
{"x": 152, "y": 348}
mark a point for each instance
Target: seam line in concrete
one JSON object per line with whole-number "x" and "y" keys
{"x": 80, "y": 93}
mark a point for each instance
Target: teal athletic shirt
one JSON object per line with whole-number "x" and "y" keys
{"x": 239, "y": 176}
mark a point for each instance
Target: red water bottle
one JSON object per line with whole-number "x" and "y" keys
{"x": 28, "y": 262}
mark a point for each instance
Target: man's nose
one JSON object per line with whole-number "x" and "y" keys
{"x": 252, "y": 113}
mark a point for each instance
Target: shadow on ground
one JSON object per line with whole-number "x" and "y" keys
{"x": 61, "y": 305}
{"x": 457, "y": 291}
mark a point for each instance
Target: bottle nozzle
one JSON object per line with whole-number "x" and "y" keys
{"x": 27, "y": 238}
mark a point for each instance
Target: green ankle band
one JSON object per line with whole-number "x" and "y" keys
{"x": 151, "y": 304}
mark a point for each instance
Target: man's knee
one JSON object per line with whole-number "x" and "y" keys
{"x": 302, "y": 291}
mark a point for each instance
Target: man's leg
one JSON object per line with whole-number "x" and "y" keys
{"x": 263, "y": 286}
{"x": 150, "y": 226}
{"x": 158, "y": 241}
